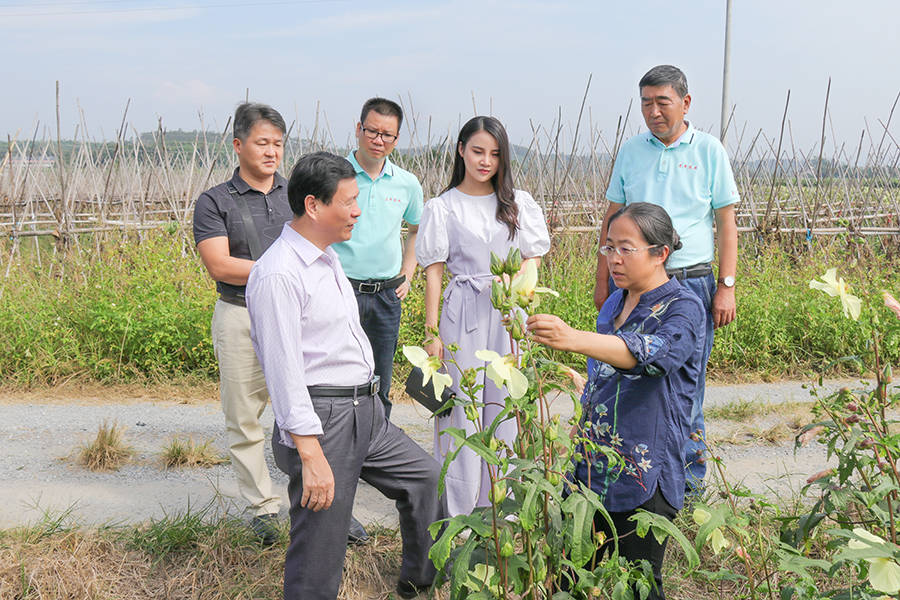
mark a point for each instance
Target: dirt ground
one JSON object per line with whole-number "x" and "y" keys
{"x": 44, "y": 430}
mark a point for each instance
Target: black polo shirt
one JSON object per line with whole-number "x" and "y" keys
{"x": 216, "y": 214}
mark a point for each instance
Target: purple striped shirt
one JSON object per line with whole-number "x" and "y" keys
{"x": 304, "y": 323}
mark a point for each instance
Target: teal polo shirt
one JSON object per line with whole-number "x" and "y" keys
{"x": 375, "y": 250}
{"x": 690, "y": 179}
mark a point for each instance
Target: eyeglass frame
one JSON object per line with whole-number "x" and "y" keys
{"x": 607, "y": 250}
{"x": 373, "y": 135}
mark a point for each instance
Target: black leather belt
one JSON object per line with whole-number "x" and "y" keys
{"x": 344, "y": 391}
{"x": 698, "y": 270}
{"x": 236, "y": 300}
{"x": 373, "y": 286}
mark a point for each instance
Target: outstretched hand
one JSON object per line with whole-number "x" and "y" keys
{"x": 551, "y": 331}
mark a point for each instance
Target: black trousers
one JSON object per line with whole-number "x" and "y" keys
{"x": 633, "y": 547}
{"x": 379, "y": 315}
{"x": 359, "y": 442}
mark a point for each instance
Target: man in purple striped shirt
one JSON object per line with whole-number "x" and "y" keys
{"x": 330, "y": 423}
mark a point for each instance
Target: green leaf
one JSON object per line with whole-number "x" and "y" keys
{"x": 579, "y": 528}
{"x": 662, "y": 527}
{"x": 473, "y": 443}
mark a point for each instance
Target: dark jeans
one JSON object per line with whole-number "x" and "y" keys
{"x": 704, "y": 288}
{"x": 358, "y": 442}
{"x": 379, "y": 315}
{"x": 633, "y": 547}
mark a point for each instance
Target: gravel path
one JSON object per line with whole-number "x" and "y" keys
{"x": 40, "y": 476}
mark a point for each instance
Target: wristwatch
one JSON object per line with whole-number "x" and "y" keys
{"x": 727, "y": 281}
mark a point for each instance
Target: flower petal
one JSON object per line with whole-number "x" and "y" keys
{"x": 415, "y": 355}
{"x": 545, "y": 290}
{"x": 884, "y": 575}
{"x": 701, "y": 516}
{"x": 518, "y": 383}
{"x": 493, "y": 375}
{"x": 441, "y": 380}
{"x": 852, "y": 306}
{"x": 487, "y": 355}
{"x": 718, "y": 541}
{"x": 866, "y": 536}
{"x": 892, "y": 304}
{"x": 525, "y": 280}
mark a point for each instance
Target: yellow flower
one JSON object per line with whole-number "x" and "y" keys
{"x": 430, "y": 366}
{"x": 718, "y": 541}
{"x": 524, "y": 284}
{"x": 884, "y": 573}
{"x": 502, "y": 370}
{"x": 834, "y": 286}
{"x": 716, "y": 538}
{"x": 701, "y": 516}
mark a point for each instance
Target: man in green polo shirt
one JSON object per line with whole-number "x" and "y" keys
{"x": 379, "y": 264}
{"x": 688, "y": 173}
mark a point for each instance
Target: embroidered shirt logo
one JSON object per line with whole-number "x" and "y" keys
{"x": 391, "y": 199}
{"x": 687, "y": 166}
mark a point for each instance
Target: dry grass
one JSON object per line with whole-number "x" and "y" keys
{"x": 187, "y": 390}
{"x": 182, "y": 452}
{"x": 108, "y": 451}
{"x": 745, "y": 422}
{"x": 223, "y": 561}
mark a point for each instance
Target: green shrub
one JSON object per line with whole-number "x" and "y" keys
{"x": 138, "y": 307}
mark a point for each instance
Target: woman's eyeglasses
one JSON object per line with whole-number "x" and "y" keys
{"x": 623, "y": 251}
{"x": 387, "y": 138}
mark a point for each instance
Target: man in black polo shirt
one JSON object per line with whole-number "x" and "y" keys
{"x": 234, "y": 223}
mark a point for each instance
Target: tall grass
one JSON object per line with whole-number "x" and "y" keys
{"x": 140, "y": 310}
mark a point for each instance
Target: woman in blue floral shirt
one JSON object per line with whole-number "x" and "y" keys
{"x": 649, "y": 349}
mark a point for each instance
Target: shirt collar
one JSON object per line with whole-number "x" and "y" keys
{"x": 387, "y": 170}
{"x": 306, "y": 250}
{"x": 243, "y": 187}
{"x": 656, "y": 294}
{"x": 685, "y": 138}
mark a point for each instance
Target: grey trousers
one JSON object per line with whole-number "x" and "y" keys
{"x": 359, "y": 442}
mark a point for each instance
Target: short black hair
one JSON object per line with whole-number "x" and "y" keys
{"x": 654, "y": 224}
{"x": 382, "y": 106}
{"x": 662, "y": 75}
{"x": 249, "y": 114}
{"x": 317, "y": 174}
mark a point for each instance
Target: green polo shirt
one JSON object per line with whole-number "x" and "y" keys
{"x": 690, "y": 179}
{"x": 375, "y": 250}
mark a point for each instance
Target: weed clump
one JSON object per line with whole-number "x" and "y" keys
{"x": 188, "y": 453}
{"x": 108, "y": 451}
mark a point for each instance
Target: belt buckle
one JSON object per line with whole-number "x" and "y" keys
{"x": 368, "y": 287}
{"x": 373, "y": 387}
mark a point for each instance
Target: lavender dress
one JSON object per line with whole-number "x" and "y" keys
{"x": 462, "y": 231}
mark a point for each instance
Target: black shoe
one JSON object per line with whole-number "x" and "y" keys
{"x": 409, "y": 590}
{"x": 266, "y": 528}
{"x": 357, "y": 535}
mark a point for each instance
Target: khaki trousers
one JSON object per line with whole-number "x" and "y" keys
{"x": 242, "y": 389}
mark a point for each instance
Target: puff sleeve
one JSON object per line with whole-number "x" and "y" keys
{"x": 534, "y": 240}
{"x": 433, "y": 241}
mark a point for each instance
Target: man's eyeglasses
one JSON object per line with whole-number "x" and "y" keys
{"x": 622, "y": 251}
{"x": 387, "y": 138}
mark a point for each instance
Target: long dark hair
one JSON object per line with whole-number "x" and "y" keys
{"x": 507, "y": 209}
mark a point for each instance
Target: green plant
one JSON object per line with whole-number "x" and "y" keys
{"x": 538, "y": 538}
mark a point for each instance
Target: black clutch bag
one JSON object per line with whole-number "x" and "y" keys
{"x": 424, "y": 394}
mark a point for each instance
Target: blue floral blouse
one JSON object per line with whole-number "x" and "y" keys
{"x": 643, "y": 414}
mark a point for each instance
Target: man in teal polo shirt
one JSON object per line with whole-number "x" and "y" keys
{"x": 688, "y": 173}
{"x": 378, "y": 263}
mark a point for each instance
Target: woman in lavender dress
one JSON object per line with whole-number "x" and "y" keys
{"x": 478, "y": 213}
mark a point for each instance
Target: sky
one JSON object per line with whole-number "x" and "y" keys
{"x": 524, "y": 62}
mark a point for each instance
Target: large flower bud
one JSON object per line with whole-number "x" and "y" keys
{"x": 513, "y": 261}
{"x": 497, "y": 265}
